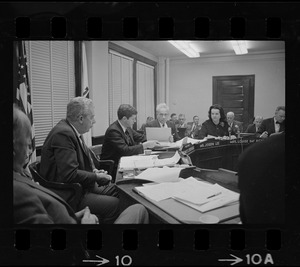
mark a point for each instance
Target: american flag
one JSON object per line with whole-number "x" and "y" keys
{"x": 85, "y": 90}
{"x": 23, "y": 95}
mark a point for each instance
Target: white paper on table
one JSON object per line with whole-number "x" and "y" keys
{"x": 158, "y": 192}
{"x": 227, "y": 197}
{"x": 144, "y": 162}
{"x": 197, "y": 192}
{"x": 166, "y": 190}
{"x": 167, "y": 161}
{"x": 160, "y": 175}
{"x": 132, "y": 162}
{"x": 211, "y": 136}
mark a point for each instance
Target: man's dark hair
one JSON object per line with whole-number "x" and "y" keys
{"x": 173, "y": 114}
{"x": 126, "y": 110}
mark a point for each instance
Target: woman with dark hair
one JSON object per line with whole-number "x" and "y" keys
{"x": 216, "y": 125}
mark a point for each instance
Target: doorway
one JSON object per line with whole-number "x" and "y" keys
{"x": 236, "y": 94}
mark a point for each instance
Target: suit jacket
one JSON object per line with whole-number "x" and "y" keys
{"x": 268, "y": 125}
{"x": 34, "y": 204}
{"x": 63, "y": 158}
{"x": 116, "y": 145}
{"x": 193, "y": 133}
{"x": 261, "y": 176}
{"x": 155, "y": 123}
{"x": 235, "y": 126}
{"x": 251, "y": 128}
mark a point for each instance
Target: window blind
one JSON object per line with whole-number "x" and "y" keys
{"x": 120, "y": 83}
{"x": 145, "y": 92}
{"x": 52, "y": 82}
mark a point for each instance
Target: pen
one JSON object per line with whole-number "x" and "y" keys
{"x": 214, "y": 195}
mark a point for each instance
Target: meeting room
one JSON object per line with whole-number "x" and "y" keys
{"x": 149, "y": 132}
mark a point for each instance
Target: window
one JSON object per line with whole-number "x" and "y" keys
{"x": 52, "y": 81}
{"x": 120, "y": 83}
{"x": 131, "y": 81}
{"x": 145, "y": 94}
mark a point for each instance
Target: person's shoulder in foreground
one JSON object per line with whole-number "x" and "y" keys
{"x": 261, "y": 172}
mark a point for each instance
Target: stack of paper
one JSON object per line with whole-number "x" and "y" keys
{"x": 160, "y": 175}
{"x": 144, "y": 162}
{"x": 225, "y": 198}
{"x": 196, "y": 194}
{"x": 181, "y": 142}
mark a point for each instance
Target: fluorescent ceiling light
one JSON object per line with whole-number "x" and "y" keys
{"x": 186, "y": 48}
{"x": 240, "y": 47}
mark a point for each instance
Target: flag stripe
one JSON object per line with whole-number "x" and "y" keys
{"x": 23, "y": 95}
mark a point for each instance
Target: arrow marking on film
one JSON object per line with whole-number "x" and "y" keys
{"x": 100, "y": 261}
{"x": 234, "y": 261}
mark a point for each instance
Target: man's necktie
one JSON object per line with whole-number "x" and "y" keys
{"x": 163, "y": 125}
{"x": 128, "y": 138}
{"x": 87, "y": 152}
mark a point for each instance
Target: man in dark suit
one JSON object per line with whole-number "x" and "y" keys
{"x": 234, "y": 125}
{"x": 162, "y": 112}
{"x": 261, "y": 172}
{"x": 254, "y": 127}
{"x": 193, "y": 127}
{"x": 66, "y": 158}
{"x": 34, "y": 204}
{"x": 121, "y": 140}
{"x": 273, "y": 125}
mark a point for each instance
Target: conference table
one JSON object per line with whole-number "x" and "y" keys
{"x": 222, "y": 155}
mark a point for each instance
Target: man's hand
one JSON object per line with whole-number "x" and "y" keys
{"x": 171, "y": 139}
{"x": 264, "y": 134}
{"x": 99, "y": 171}
{"x": 103, "y": 178}
{"x": 86, "y": 217}
{"x": 150, "y": 144}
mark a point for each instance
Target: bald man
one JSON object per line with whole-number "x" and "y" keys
{"x": 233, "y": 124}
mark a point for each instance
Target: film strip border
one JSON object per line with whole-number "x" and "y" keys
{"x": 188, "y": 245}
{"x": 160, "y": 20}
{"x": 156, "y": 245}
{"x": 131, "y": 27}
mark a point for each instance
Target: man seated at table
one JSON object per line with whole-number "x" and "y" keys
{"x": 173, "y": 118}
{"x": 66, "y": 158}
{"x": 35, "y": 204}
{"x": 162, "y": 112}
{"x": 142, "y": 129}
{"x": 193, "y": 127}
{"x": 181, "y": 126}
{"x": 234, "y": 125}
{"x": 274, "y": 125}
{"x": 254, "y": 127}
{"x": 121, "y": 140}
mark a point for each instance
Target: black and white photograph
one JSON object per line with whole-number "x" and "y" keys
{"x": 149, "y": 133}
{"x": 145, "y": 132}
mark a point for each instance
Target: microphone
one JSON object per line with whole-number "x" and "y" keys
{"x": 229, "y": 131}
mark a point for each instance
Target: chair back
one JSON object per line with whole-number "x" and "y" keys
{"x": 97, "y": 149}
{"x": 71, "y": 193}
